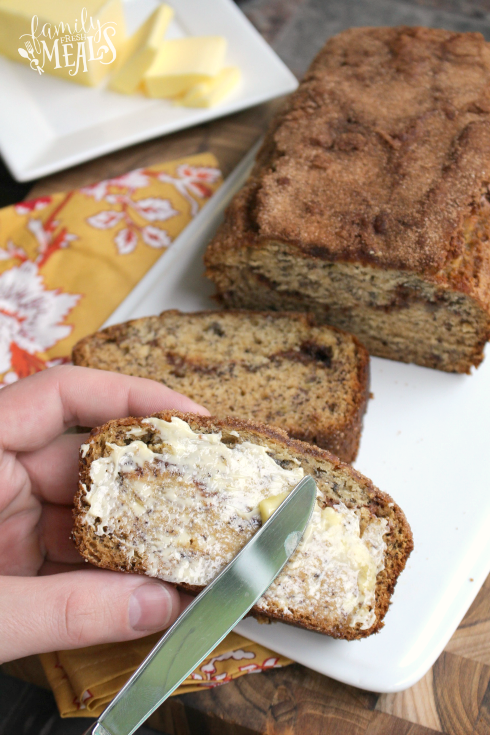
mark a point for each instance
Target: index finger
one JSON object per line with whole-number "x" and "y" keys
{"x": 35, "y": 410}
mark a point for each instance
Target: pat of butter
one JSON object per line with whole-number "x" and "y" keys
{"x": 210, "y": 93}
{"x": 182, "y": 63}
{"x": 270, "y": 504}
{"x": 367, "y": 578}
{"x": 330, "y": 518}
{"x": 141, "y": 50}
{"x": 79, "y": 54}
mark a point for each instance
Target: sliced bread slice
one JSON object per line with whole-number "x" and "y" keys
{"x": 280, "y": 369}
{"x": 175, "y": 496}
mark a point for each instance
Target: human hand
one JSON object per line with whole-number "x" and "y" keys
{"x": 48, "y": 601}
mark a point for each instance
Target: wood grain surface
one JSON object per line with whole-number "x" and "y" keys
{"x": 454, "y": 696}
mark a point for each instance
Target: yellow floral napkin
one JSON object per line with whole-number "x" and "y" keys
{"x": 66, "y": 262}
{"x": 85, "y": 681}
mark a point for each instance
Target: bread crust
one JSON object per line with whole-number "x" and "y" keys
{"x": 341, "y": 437}
{"x": 445, "y": 125}
{"x": 102, "y": 552}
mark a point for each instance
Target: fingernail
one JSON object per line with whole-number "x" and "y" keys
{"x": 150, "y": 607}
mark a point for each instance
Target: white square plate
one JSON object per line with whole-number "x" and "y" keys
{"x": 426, "y": 442}
{"x": 48, "y": 124}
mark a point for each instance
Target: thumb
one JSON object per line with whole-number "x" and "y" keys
{"x": 82, "y": 608}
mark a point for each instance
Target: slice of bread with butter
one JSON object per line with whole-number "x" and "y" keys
{"x": 176, "y": 496}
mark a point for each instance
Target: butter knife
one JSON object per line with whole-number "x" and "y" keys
{"x": 211, "y": 616}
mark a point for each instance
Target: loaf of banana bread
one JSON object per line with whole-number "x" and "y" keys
{"x": 281, "y": 369}
{"x": 175, "y": 496}
{"x": 369, "y": 203}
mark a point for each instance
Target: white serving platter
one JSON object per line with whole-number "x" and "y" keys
{"x": 426, "y": 442}
{"x": 48, "y": 124}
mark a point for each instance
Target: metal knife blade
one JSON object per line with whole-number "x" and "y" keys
{"x": 212, "y": 615}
